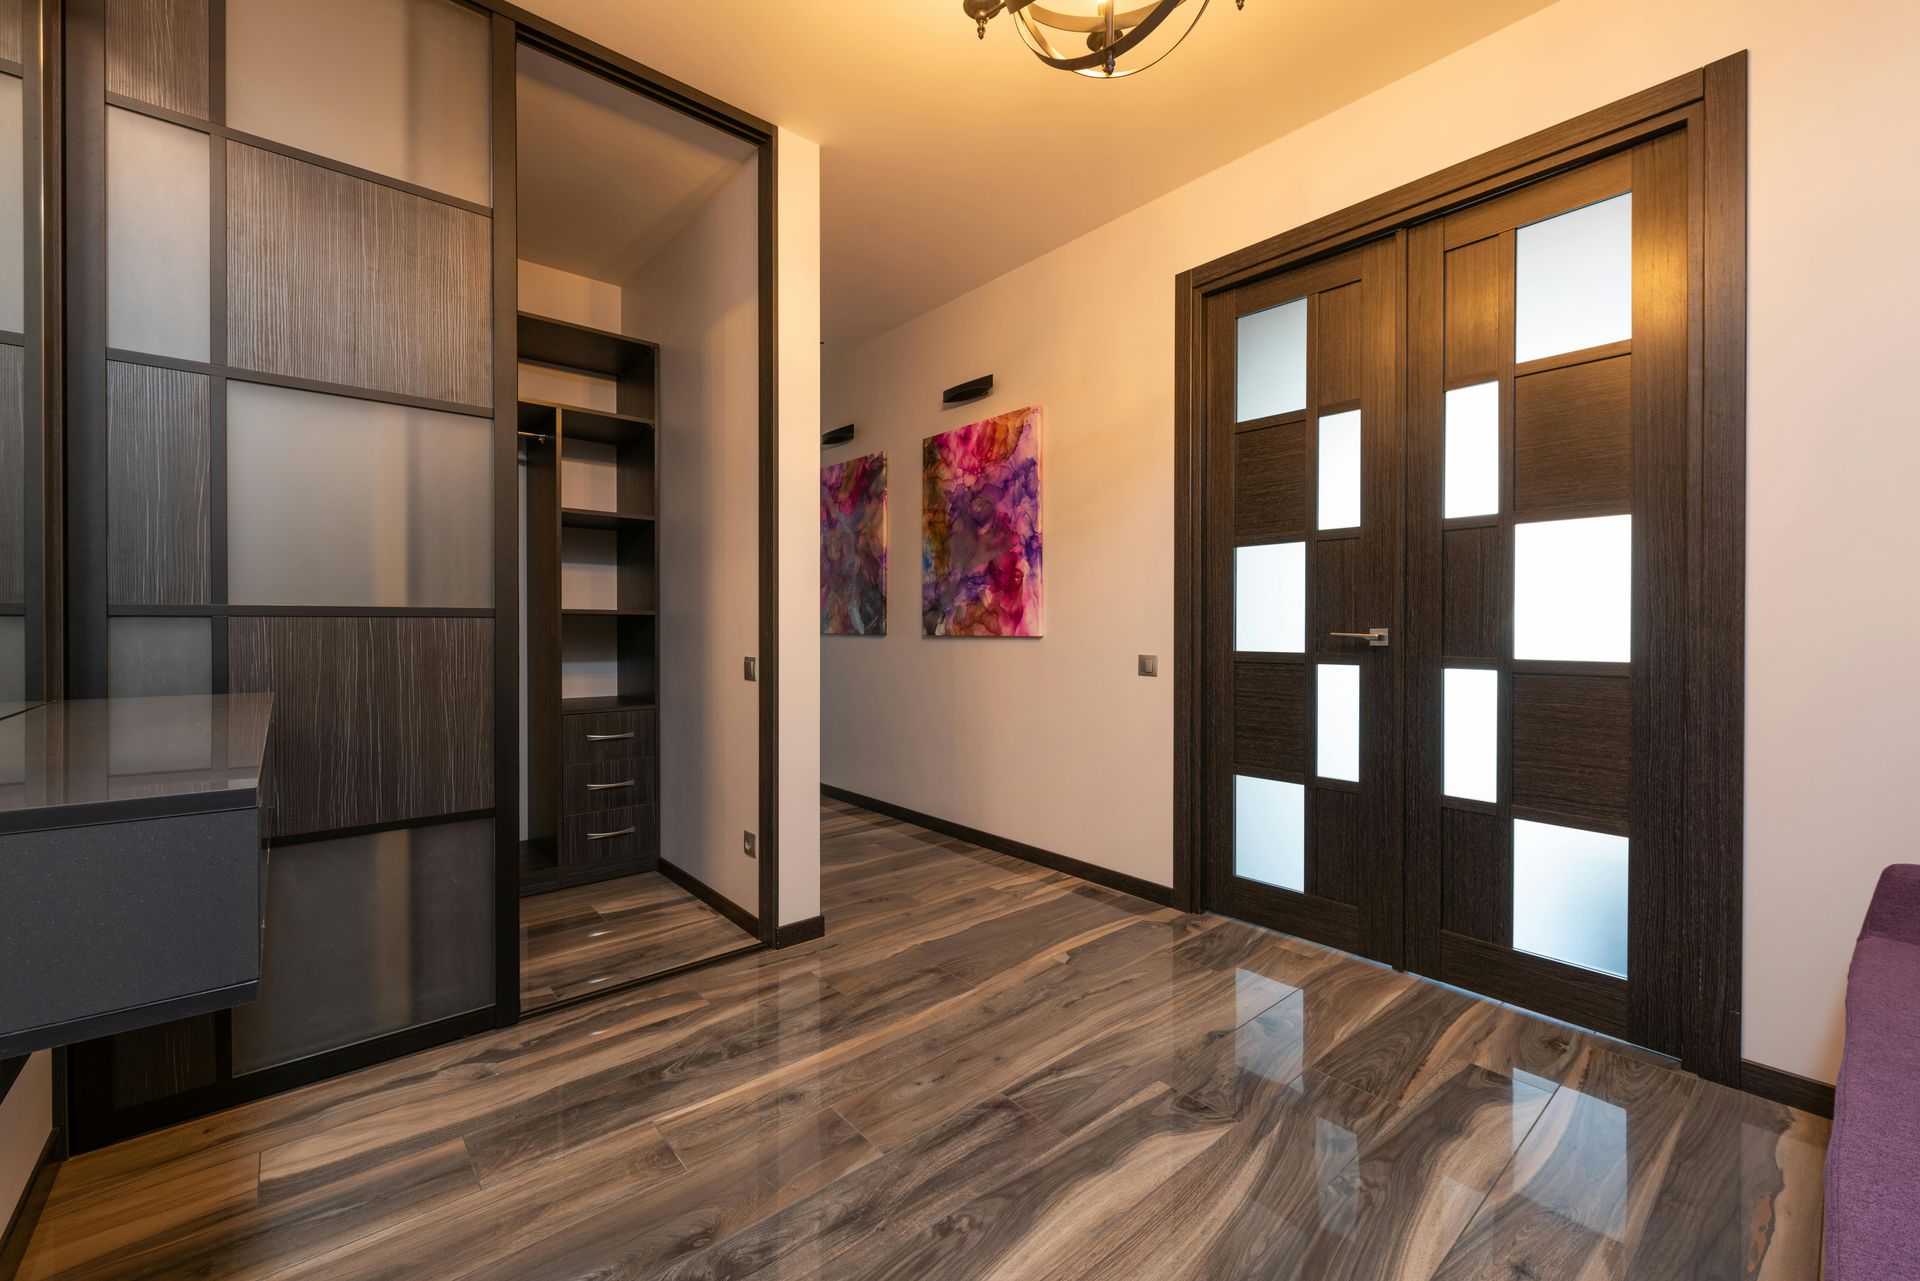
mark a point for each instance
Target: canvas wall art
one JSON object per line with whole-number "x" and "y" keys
{"x": 981, "y": 547}
{"x": 853, "y": 547}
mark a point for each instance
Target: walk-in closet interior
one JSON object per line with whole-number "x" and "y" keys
{"x": 638, "y": 409}
{"x": 412, "y": 375}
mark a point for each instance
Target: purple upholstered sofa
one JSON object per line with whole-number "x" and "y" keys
{"x": 1873, "y": 1165}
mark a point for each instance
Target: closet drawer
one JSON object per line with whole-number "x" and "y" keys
{"x": 609, "y": 785}
{"x": 593, "y": 737}
{"x": 612, "y": 836}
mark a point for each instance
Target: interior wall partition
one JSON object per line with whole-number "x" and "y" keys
{"x": 285, "y": 305}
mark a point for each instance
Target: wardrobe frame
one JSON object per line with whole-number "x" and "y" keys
{"x": 73, "y": 447}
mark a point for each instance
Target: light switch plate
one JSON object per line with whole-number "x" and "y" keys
{"x": 1149, "y": 664}
{"x": 750, "y": 668}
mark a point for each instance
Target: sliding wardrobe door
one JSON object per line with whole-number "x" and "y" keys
{"x": 1304, "y": 774}
{"x": 283, "y": 479}
{"x": 1549, "y": 384}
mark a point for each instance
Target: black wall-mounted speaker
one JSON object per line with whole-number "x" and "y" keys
{"x": 964, "y": 392}
{"x": 838, "y": 436}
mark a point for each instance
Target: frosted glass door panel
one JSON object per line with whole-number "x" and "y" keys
{"x": 1470, "y": 756}
{"x": 396, "y": 86}
{"x": 1573, "y": 280}
{"x": 1572, "y": 590}
{"x": 1340, "y": 470}
{"x": 13, "y": 658}
{"x": 1337, "y": 709}
{"x": 1570, "y": 895}
{"x": 337, "y": 501}
{"x": 1473, "y": 451}
{"x": 1270, "y": 598}
{"x": 158, "y": 236}
{"x": 1270, "y": 832}
{"x": 13, "y": 227}
{"x": 1272, "y": 361}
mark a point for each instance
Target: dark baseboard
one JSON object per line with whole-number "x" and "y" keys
{"x": 1784, "y": 1087}
{"x": 712, "y": 898}
{"x": 26, "y": 1215}
{"x": 800, "y": 932}
{"x": 1161, "y": 894}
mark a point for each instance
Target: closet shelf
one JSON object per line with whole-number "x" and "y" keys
{"x": 608, "y": 703}
{"x": 547, "y": 341}
{"x": 609, "y": 613}
{"x": 589, "y": 518}
{"x": 600, "y": 425}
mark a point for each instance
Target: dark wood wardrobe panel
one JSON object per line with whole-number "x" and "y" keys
{"x": 158, "y": 486}
{"x": 337, "y": 279}
{"x": 376, "y": 720}
{"x": 157, "y": 53}
{"x": 10, "y": 30}
{"x": 1477, "y": 875}
{"x": 13, "y": 464}
{"x": 169, "y": 1058}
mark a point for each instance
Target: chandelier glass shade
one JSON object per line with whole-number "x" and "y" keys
{"x": 1106, "y": 39}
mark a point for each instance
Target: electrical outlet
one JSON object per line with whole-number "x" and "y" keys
{"x": 1149, "y": 664}
{"x": 750, "y": 845}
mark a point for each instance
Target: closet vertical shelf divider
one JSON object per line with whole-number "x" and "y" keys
{"x": 593, "y": 779}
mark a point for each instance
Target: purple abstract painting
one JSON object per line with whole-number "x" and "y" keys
{"x": 980, "y": 551}
{"x": 853, "y": 547}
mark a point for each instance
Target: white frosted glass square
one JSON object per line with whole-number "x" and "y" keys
{"x": 1471, "y": 734}
{"x": 1570, "y": 895}
{"x": 1340, "y": 470}
{"x": 13, "y": 226}
{"x": 1573, "y": 590}
{"x": 1473, "y": 451}
{"x": 1272, "y": 361}
{"x": 1573, "y": 280}
{"x": 158, "y": 236}
{"x": 1337, "y": 711}
{"x": 1270, "y": 598}
{"x": 338, "y": 501}
{"x": 1270, "y": 832}
{"x": 400, "y": 87}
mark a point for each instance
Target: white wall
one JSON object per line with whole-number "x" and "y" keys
{"x": 1056, "y": 742}
{"x": 26, "y": 1118}
{"x": 797, "y": 251}
{"x": 699, "y": 299}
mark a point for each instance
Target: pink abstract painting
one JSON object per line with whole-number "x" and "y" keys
{"x": 853, "y": 547}
{"x": 981, "y": 545}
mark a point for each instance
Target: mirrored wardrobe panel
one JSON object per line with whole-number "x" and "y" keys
{"x": 23, "y": 620}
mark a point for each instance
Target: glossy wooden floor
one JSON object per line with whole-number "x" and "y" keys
{"x": 983, "y": 1071}
{"x": 576, "y": 941}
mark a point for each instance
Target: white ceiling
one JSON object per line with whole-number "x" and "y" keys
{"x": 606, "y": 176}
{"x": 947, "y": 160}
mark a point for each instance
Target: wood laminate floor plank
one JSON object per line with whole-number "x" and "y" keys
{"x": 983, "y": 1070}
{"x": 576, "y": 940}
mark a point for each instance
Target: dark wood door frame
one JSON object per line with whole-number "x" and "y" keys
{"x": 1709, "y": 107}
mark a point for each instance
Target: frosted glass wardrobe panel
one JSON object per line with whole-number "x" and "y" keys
{"x": 159, "y": 237}
{"x": 337, "y": 501}
{"x": 400, "y": 87}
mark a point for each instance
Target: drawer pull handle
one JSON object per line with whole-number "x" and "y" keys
{"x": 607, "y": 836}
{"x": 607, "y": 787}
{"x": 609, "y": 738}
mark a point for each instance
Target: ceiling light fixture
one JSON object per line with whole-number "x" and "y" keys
{"x": 1141, "y": 35}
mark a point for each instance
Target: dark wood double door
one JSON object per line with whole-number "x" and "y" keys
{"x": 1445, "y": 578}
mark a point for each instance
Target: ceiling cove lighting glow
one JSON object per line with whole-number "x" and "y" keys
{"x": 1096, "y": 37}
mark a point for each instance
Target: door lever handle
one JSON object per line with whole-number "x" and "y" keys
{"x": 1375, "y": 637}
